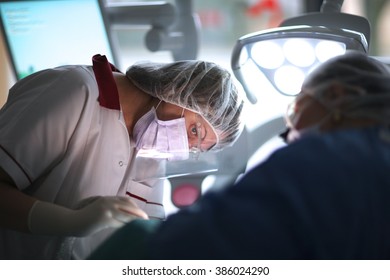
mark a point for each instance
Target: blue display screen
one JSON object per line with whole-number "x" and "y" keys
{"x": 46, "y": 34}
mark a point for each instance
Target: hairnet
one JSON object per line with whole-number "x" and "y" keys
{"x": 199, "y": 86}
{"x": 365, "y": 80}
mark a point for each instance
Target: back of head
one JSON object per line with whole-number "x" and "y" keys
{"x": 199, "y": 86}
{"x": 365, "y": 80}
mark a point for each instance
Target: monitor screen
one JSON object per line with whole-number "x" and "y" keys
{"x": 48, "y": 33}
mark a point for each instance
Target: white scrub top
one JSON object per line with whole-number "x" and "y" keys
{"x": 63, "y": 139}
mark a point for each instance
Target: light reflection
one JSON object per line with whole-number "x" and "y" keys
{"x": 251, "y": 74}
{"x": 243, "y": 56}
{"x": 289, "y": 79}
{"x": 326, "y": 49}
{"x": 299, "y": 52}
{"x": 267, "y": 54}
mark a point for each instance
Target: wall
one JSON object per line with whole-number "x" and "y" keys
{"x": 6, "y": 77}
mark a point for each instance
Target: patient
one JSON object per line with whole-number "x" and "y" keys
{"x": 324, "y": 196}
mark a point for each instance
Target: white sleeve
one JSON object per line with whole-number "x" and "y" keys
{"x": 38, "y": 120}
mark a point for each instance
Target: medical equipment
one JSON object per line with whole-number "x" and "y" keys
{"x": 285, "y": 55}
{"x": 173, "y": 28}
{"x": 282, "y": 57}
{"x": 39, "y": 33}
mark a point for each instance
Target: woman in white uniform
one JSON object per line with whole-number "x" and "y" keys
{"x": 69, "y": 138}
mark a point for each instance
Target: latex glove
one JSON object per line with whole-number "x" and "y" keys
{"x": 93, "y": 216}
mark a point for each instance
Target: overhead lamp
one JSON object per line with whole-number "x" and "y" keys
{"x": 285, "y": 55}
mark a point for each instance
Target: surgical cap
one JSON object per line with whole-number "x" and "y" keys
{"x": 365, "y": 80}
{"x": 202, "y": 87}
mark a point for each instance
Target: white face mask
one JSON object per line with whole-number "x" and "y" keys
{"x": 159, "y": 139}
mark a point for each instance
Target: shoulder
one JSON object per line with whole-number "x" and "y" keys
{"x": 51, "y": 95}
{"x": 333, "y": 144}
{"x": 323, "y": 158}
{"x": 72, "y": 74}
{"x": 55, "y": 85}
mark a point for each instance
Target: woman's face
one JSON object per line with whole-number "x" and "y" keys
{"x": 200, "y": 134}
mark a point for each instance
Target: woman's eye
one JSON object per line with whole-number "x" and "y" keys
{"x": 194, "y": 130}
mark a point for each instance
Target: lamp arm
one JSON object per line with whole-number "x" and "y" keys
{"x": 159, "y": 14}
{"x": 174, "y": 28}
{"x": 331, "y": 6}
{"x": 336, "y": 21}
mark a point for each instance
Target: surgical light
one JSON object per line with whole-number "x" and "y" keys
{"x": 285, "y": 55}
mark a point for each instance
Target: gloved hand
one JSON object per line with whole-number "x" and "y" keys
{"x": 92, "y": 216}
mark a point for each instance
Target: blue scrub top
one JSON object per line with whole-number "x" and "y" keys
{"x": 322, "y": 197}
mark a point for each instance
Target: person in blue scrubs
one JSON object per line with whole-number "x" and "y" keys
{"x": 324, "y": 196}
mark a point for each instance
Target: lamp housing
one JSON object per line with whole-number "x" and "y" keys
{"x": 286, "y": 54}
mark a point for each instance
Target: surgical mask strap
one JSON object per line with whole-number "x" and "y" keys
{"x": 158, "y": 104}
